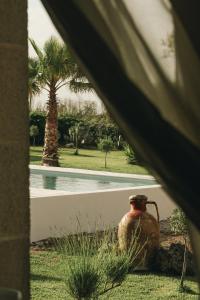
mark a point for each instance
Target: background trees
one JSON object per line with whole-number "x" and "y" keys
{"x": 93, "y": 127}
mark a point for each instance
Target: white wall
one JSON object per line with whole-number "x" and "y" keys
{"x": 59, "y": 213}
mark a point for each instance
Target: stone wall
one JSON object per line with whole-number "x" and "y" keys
{"x": 14, "y": 201}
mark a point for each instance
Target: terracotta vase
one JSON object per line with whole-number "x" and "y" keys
{"x": 139, "y": 224}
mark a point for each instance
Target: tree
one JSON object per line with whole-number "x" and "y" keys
{"x": 106, "y": 145}
{"x": 33, "y": 83}
{"x": 56, "y": 68}
{"x": 178, "y": 224}
{"x": 34, "y": 131}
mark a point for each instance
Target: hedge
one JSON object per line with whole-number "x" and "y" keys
{"x": 94, "y": 129}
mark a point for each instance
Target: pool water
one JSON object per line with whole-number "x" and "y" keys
{"x": 76, "y": 182}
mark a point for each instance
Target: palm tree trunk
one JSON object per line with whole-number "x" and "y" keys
{"x": 50, "y": 151}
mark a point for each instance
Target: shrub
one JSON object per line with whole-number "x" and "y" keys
{"x": 94, "y": 126}
{"x": 178, "y": 222}
{"x": 130, "y": 155}
{"x": 179, "y": 225}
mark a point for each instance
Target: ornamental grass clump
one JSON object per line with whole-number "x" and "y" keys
{"x": 94, "y": 265}
{"x": 83, "y": 279}
{"x": 79, "y": 244}
{"x": 82, "y": 275}
{"x": 116, "y": 269}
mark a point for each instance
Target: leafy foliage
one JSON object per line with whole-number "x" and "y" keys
{"x": 33, "y": 83}
{"x": 106, "y": 145}
{"x": 178, "y": 222}
{"x": 179, "y": 225}
{"x": 93, "y": 126}
{"x": 34, "y": 131}
{"x": 56, "y": 64}
{"x": 130, "y": 155}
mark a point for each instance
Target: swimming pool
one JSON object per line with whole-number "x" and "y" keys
{"x": 79, "y": 182}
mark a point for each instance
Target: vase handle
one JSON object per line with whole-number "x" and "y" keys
{"x": 154, "y": 203}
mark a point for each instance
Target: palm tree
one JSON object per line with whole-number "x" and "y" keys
{"x": 57, "y": 68}
{"x": 33, "y": 83}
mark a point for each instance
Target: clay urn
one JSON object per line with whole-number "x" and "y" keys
{"x": 139, "y": 231}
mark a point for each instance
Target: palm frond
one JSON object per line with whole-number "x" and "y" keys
{"x": 33, "y": 67}
{"x": 34, "y": 87}
{"x": 79, "y": 82}
{"x": 80, "y": 86}
{"x": 57, "y": 65}
{"x": 36, "y": 48}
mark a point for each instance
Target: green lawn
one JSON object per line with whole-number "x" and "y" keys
{"x": 47, "y": 282}
{"x": 90, "y": 159}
